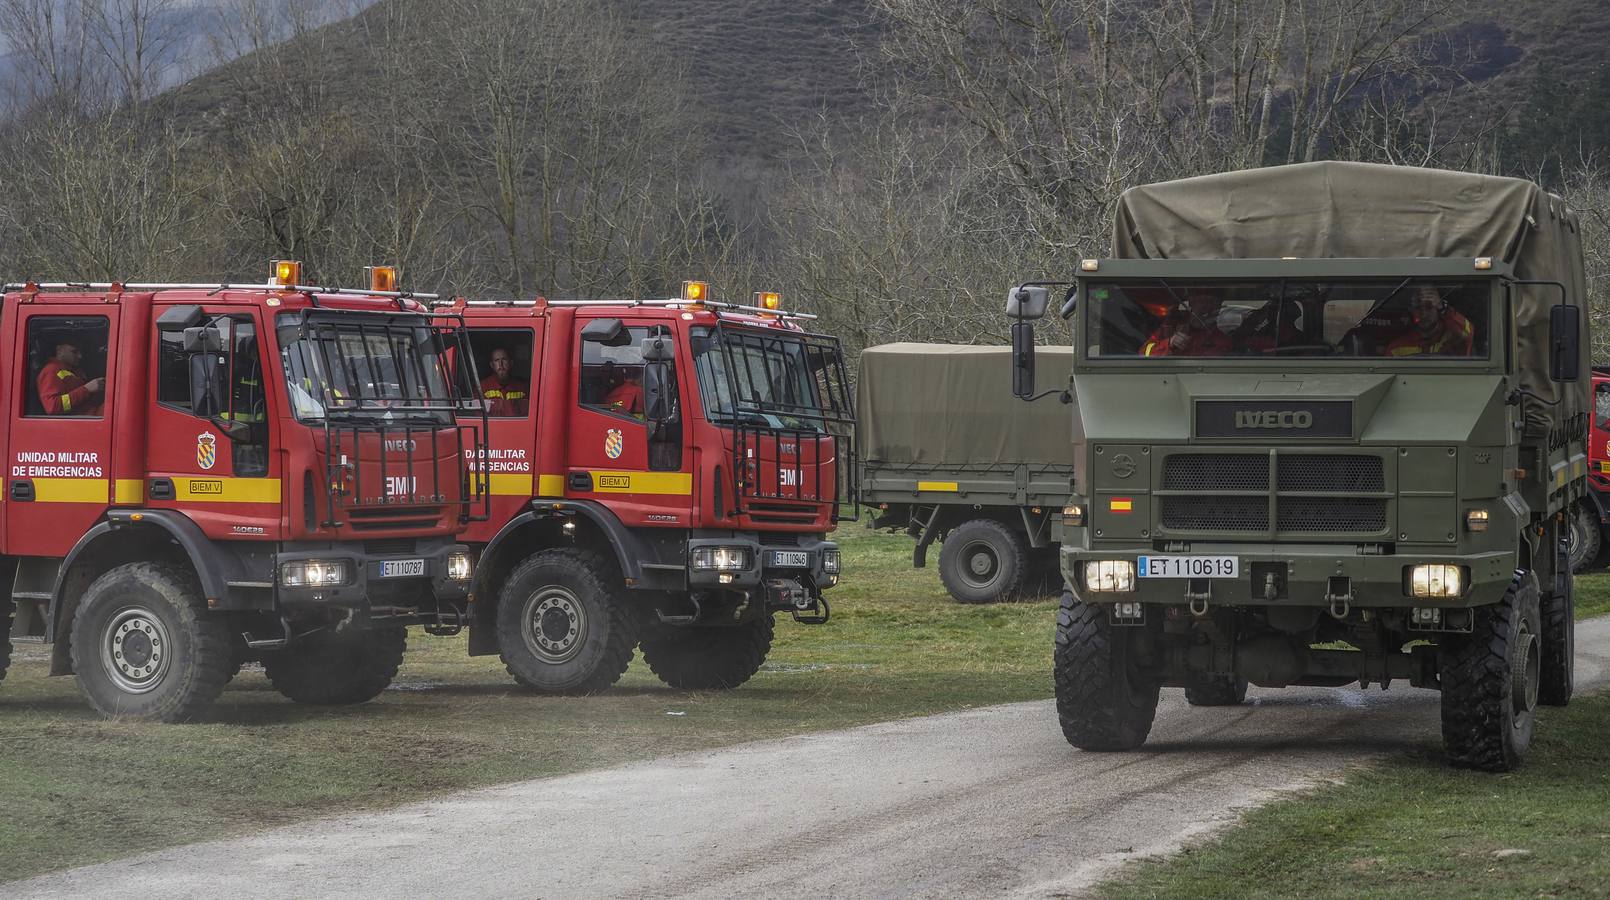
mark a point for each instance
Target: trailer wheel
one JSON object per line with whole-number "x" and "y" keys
{"x": 6, "y": 608}
{"x": 983, "y": 561}
{"x": 1490, "y": 679}
{"x": 145, "y": 647}
{"x": 330, "y": 668}
{"x": 560, "y": 629}
{"x": 1103, "y": 702}
{"x": 1204, "y": 689}
{"x": 1558, "y": 613}
{"x": 1583, "y": 540}
{"x": 709, "y": 658}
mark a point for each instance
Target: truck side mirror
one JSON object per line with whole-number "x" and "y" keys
{"x": 209, "y": 384}
{"x": 659, "y": 397}
{"x": 1023, "y": 359}
{"x": 1028, "y": 302}
{"x": 1565, "y": 342}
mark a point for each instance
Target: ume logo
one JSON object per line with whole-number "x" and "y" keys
{"x": 1273, "y": 419}
{"x": 399, "y": 485}
{"x": 790, "y": 477}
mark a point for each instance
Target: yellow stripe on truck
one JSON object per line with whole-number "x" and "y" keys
{"x": 551, "y": 486}
{"x": 227, "y": 490}
{"x": 128, "y": 490}
{"x": 510, "y": 485}
{"x": 949, "y": 487}
{"x": 70, "y": 490}
{"x": 667, "y": 483}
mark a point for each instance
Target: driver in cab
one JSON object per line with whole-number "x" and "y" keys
{"x": 1193, "y": 329}
{"x": 63, "y": 391}
{"x": 1435, "y": 328}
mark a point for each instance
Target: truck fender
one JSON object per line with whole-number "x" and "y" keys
{"x": 1595, "y": 502}
{"x": 213, "y": 569}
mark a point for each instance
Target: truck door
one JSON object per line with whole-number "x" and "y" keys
{"x": 59, "y": 475}
{"x": 611, "y": 456}
{"x": 207, "y": 451}
{"x": 507, "y": 359}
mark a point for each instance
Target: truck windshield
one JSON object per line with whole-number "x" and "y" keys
{"x": 1395, "y": 319}
{"x": 390, "y": 370}
{"x": 771, "y": 379}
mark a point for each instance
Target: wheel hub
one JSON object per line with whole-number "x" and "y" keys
{"x": 555, "y": 625}
{"x": 981, "y": 562}
{"x": 1525, "y": 673}
{"x": 135, "y": 650}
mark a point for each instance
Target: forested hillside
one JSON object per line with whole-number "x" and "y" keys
{"x": 891, "y": 163}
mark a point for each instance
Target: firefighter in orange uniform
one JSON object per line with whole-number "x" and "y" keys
{"x": 627, "y": 397}
{"x": 505, "y": 395}
{"x": 63, "y": 391}
{"x": 1437, "y": 329}
{"x": 1191, "y": 331}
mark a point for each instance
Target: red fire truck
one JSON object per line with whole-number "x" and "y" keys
{"x": 201, "y": 475}
{"x": 1585, "y": 538}
{"x": 662, "y": 474}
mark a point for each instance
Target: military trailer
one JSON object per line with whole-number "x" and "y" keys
{"x": 1328, "y": 422}
{"x": 945, "y": 459}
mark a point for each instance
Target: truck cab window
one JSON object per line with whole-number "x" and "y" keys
{"x": 242, "y": 406}
{"x": 1601, "y": 406}
{"x": 67, "y": 362}
{"x": 611, "y": 379}
{"x": 503, "y": 359}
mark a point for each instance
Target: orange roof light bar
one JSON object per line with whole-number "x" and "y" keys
{"x": 286, "y": 273}
{"x": 770, "y": 300}
{"x": 695, "y": 291}
{"x": 381, "y": 278}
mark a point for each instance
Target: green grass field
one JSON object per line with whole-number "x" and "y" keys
{"x": 78, "y": 789}
{"x": 1412, "y": 827}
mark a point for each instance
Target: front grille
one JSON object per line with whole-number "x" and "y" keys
{"x": 1331, "y": 515}
{"x": 1331, "y": 472}
{"x": 389, "y": 546}
{"x": 1216, "y": 472}
{"x": 1216, "y": 513}
{"x": 1230, "y": 492}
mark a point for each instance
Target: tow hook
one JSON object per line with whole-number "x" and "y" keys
{"x": 786, "y": 593}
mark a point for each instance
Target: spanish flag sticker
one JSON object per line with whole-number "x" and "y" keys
{"x": 1120, "y": 505}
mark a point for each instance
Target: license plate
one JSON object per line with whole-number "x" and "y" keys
{"x": 790, "y": 559}
{"x": 1188, "y": 567}
{"x": 402, "y": 568}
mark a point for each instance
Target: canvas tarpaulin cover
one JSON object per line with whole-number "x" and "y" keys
{"x": 952, "y": 405}
{"x": 1344, "y": 210}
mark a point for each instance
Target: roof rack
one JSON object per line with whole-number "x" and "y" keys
{"x": 670, "y": 304}
{"x": 179, "y": 286}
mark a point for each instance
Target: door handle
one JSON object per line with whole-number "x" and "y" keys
{"x": 22, "y": 490}
{"x": 581, "y": 481}
{"x": 162, "y": 489}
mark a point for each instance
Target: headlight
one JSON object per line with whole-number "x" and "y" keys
{"x": 1114, "y": 575}
{"x": 1436, "y": 581}
{"x": 721, "y": 559}
{"x": 314, "y": 573}
{"x": 458, "y": 566}
{"x": 1476, "y": 520}
{"x": 1073, "y": 515}
{"x": 830, "y": 562}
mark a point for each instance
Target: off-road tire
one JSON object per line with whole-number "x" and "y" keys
{"x": 1102, "y": 703}
{"x": 1558, "y": 612}
{"x": 983, "y": 561}
{"x": 709, "y": 658}
{"x": 557, "y": 589}
{"x": 337, "y": 668}
{"x": 6, "y": 609}
{"x": 152, "y": 614}
{"x": 1203, "y": 689}
{"x": 1584, "y": 541}
{"x": 1487, "y": 718}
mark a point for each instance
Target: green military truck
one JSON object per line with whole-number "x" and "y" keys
{"x": 944, "y": 458}
{"x": 1328, "y": 420}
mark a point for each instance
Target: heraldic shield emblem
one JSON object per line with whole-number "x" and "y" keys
{"x": 206, "y": 449}
{"x": 614, "y": 443}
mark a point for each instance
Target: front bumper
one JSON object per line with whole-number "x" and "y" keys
{"x": 801, "y": 561}
{"x": 366, "y": 585}
{"x": 1313, "y": 575}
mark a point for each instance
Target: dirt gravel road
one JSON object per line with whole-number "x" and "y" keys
{"x": 989, "y": 802}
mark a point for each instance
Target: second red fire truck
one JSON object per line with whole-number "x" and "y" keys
{"x": 662, "y": 475}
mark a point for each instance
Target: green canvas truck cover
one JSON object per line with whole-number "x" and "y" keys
{"x": 1344, "y": 210}
{"x": 952, "y": 405}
